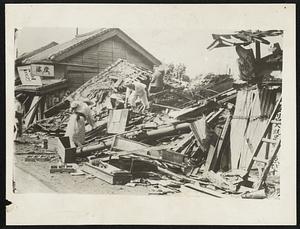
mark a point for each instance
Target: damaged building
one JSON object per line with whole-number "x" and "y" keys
{"x": 226, "y": 145}
{"x": 60, "y": 69}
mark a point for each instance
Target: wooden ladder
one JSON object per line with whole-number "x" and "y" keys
{"x": 264, "y": 139}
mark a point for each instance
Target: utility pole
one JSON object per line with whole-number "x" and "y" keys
{"x": 15, "y": 42}
{"x": 76, "y": 32}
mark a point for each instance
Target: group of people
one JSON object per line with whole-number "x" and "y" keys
{"x": 138, "y": 89}
{"x": 141, "y": 90}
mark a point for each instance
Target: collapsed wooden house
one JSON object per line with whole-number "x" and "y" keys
{"x": 52, "y": 72}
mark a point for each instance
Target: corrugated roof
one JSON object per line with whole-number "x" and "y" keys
{"x": 41, "y": 49}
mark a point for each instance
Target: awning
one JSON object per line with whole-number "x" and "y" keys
{"x": 47, "y": 87}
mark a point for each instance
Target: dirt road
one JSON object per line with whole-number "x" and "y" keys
{"x": 36, "y": 177}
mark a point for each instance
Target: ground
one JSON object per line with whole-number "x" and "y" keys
{"x": 35, "y": 177}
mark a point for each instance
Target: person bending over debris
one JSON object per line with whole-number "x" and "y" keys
{"x": 76, "y": 125}
{"x": 135, "y": 90}
{"x": 88, "y": 112}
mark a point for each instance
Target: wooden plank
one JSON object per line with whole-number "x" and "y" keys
{"x": 184, "y": 142}
{"x": 211, "y": 155}
{"x": 108, "y": 173}
{"x": 239, "y": 126}
{"x": 221, "y": 141}
{"x": 199, "y": 129}
{"x": 215, "y": 115}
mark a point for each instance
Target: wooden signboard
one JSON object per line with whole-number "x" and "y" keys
{"x": 42, "y": 70}
{"x": 27, "y": 78}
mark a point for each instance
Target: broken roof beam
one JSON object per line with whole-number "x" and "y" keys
{"x": 199, "y": 110}
{"x": 242, "y": 38}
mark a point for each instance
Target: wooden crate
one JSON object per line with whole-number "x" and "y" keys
{"x": 124, "y": 144}
{"x": 66, "y": 153}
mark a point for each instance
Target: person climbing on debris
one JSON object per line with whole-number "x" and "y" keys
{"x": 88, "y": 112}
{"x": 136, "y": 90}
{"x": 157, "y": 81}
{"x": 19, "y": 113}
{"x": 76, "y": 125}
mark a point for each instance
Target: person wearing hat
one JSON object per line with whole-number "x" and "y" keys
{"x": 135, "y": 90}
{"x": 19, "y": 113}
{"x": 76, "y": 125}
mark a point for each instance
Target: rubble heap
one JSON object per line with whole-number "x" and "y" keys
{"x": 171, "y": 146}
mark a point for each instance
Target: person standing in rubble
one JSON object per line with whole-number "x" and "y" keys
{"x": 136, "y": 90}
{"x": 19, "y": 113}
{"x": 157, "y": 81}
{"x": 76, "y": 125}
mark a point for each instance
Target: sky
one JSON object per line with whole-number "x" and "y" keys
{"x": 173, "y": 36}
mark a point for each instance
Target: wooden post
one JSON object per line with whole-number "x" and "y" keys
{"x": 40, "y": 112}
{"x": 269, "y": 134}
{"x": 257, "y": 50}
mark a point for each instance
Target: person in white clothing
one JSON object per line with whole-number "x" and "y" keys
{"x": 135, "y": 90}
{"x": 76, "y": 125}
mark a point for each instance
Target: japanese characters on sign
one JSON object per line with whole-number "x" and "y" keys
{"x": 42, "y": 70}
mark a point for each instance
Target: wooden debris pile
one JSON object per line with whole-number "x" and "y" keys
{"x": 203, "y": 145}
{"x": 101, "y": 87}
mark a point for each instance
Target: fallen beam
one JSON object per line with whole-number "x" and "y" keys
{"x": 91, "y": 148}
{"x": 184, "y": 127}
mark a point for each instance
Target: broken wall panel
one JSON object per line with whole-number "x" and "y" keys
{"x": 117, "y": 120}
{"x": 239, "y": 125}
